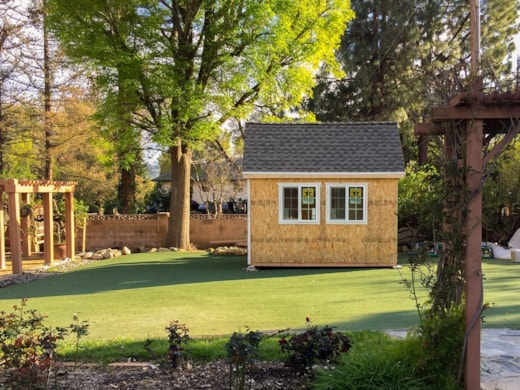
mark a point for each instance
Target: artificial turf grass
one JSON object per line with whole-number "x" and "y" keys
{"x": 135, "y": 297}
{"x": 200, "y": 349}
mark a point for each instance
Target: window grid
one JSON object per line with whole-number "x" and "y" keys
{"x": 355, "y": 204}
{"x": 337, "y": 203}
{"x": 290, "y": 199}
{"x": 346, "y": 203}
{"x": 299, "y": 202}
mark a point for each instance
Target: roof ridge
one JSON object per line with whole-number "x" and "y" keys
{"x": 325, "y": 123}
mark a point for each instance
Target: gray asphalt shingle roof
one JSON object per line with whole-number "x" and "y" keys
{"x": 360, "y": 147}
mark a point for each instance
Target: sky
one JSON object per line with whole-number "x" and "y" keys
{"x": 517, "y": 51}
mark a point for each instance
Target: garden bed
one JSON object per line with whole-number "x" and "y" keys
{"x": 142, "y": 376}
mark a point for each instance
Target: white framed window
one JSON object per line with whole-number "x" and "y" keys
{"x": 347, "y": 203}
{"x": 299, "y": 203}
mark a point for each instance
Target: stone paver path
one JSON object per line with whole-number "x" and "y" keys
{"x": 499, "y": 358}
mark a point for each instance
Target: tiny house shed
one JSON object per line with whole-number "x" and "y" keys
{"x": 322, "y": 194}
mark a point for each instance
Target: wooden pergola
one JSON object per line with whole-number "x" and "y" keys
{"x": 483, "y": 116}
{"x": 19, "y": 191}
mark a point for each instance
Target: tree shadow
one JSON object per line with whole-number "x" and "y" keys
{"x": 153, "y": 270}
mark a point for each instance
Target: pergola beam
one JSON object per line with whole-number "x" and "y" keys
{"x": 477, "y": 112}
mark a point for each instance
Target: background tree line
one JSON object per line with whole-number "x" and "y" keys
{"x": 89, "y": 89}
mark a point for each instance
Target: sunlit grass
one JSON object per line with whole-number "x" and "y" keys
{"x": 135, "y": 297}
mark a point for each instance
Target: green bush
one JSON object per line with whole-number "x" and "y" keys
{"x": 375, "y": 362}
{"x": 315, "y": 345}
{"x": 27, "y": 347}
{"x": 242, "y": 352}
{"x": 442, "y": 339}
{"x": 178, "y": 338}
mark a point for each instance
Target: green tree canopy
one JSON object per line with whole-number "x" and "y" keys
{"x": 398, "y": 65}
{"x": 190, "y": 66}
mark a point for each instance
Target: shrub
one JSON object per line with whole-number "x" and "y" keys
{"x": 375, "y": 362}
{"x": 27, "y": 347}
{"x": 442, "y": 340}
{"x": 242, "y": 351}
{"x": 79, "y": 329}
{"x": 178, "y": 338}
{"x": 315, "y": 345}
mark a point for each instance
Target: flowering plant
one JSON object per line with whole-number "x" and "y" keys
{"x": 315, "y": 345}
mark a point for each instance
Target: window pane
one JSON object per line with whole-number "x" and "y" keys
{"x": 337, "y": 203}
{"x": 308, "y": 203}
{"x": 290, "y": 203}
{"x": 355, "y": 204}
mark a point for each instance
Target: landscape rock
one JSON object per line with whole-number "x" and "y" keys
{"x": 229, "y": 251}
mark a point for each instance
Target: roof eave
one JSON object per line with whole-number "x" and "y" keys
{"x": 324, "y": 175}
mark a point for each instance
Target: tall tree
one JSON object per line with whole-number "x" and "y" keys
{"x": 400, "y": 64}
{"x": 14, "y": 140}
{"x": 200, "y": 62}
{"x": 45, "y": 73}
{"x": 107, "y": 36}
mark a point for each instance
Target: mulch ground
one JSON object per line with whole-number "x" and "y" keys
{"x": 143, "y": 376}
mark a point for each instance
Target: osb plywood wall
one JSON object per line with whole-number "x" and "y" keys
{"x": 371, "y": 244}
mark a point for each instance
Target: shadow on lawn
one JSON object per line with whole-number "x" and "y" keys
{"x": 147, "y": 270}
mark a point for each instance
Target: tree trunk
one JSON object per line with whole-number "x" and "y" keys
{"x": 127, "y": 190}
{"x": 179, "y": 222}
{"x": 2, "y": 131}
{"x": 130, "y": 143}
{"x": 47, "y": 99}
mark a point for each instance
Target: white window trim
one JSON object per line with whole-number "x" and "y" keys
{"x": 346, "y": 221}
{"x": 298, "y": 221}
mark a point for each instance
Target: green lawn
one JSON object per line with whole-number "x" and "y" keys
{"x": 135, "y": 297}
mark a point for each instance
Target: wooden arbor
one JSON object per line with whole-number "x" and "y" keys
{"x": 20, "y": 190}
{"x": 483, "y": 116}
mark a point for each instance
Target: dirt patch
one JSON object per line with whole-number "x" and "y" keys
{"x": 143, "y": 376}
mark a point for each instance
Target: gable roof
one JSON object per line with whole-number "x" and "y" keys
{"x": 358, "y": 149}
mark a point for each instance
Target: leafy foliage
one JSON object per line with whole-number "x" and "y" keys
{"x": 419, "y": 202}
{"x": 441, "y": 332}
{"x": 178, "y": 338}
{"x": 79, "y": 329}
{"x": 442, "y": 337}
{"x": 242, "y": 351}
{"x": 181, "y": 71}
{"x": 27, "y": 347}
{"x": 375, "y": 361}
{"x": 501, "y": 207}
{"x": 315, "y": 345}
{"x": 385, "y": 79}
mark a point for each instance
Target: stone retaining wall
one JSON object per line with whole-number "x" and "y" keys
{"x": 150, "y": 230}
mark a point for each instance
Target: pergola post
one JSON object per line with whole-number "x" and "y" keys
{"x": 25, "y": 225}
{"x": 48, "y": 231}
{"x": 2, "y": 238}
{"x": 473, "y": 261}
{"x": 69, "y": 225}
{"x": 14, "y": 232}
